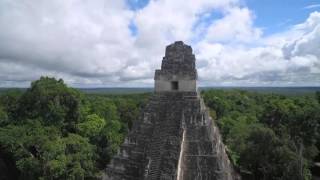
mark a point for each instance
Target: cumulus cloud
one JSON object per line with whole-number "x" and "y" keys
{"x": 291, "y": 57}
{"x": 309, "y": 42}
{"x": 107, "y": 43}
{"x": 236, "y": 26}
{"x": 79, "y": 38}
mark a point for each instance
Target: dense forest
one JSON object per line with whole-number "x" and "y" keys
{"x": 51, "y": 131}
{"x": 268, "y": 136}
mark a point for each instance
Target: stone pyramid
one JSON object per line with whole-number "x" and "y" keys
{"x": 175, "y": 138}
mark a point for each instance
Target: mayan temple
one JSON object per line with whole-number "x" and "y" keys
{"x": 175, "y": 138}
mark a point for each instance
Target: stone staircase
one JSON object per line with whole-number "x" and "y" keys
{"x": 155, "y": 155}
{"x": 168, "y": 126}
{"x": 154, "y": 151}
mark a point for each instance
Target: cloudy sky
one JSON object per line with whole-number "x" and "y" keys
{"x": 108, "y": 43}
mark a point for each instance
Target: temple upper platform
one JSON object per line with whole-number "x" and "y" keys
{"x": 178, "y": 72}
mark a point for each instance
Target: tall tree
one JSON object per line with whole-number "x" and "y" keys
{"x": 53, "y": 102}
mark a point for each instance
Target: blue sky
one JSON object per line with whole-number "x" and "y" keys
{"x": 137, "y": 4}
{"x": 271, "y": 15}
{"x": 106, "y": 43}
{"x": 279, "y": 15}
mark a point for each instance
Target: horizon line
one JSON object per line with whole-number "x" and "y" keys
{"x": 149, "y": 87}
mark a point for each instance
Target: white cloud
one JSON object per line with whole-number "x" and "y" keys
{"x": 309, "y": 42}
{"x": 82, "y": 38}
{"x": 89, "y": 43}
{"x": 312, "y": 6}
{"x": 289, "y": 57}
{"x": 235, "y": 26}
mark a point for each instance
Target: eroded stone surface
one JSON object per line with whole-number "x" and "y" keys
{"x": 178, "y": 65}
{"x": 175, "y": 138}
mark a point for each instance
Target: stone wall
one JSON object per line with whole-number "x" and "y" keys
{"x": 184, "y": 85}
{"x": 175, "y": 139}
{"x": 177, "y": 65}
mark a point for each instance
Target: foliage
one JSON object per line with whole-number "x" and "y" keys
{"x": 53, "y": 101}
{"x": 41, "y": 152}
{"x": 92, "y": 126}
{"x": 268, "y": 135}
{"x": 3, "y": 116}
{"x": 9, "y": 102}
{"x": 51, "y": 131}
{"x": 269, "y": 157}
{"x": 318, "y": 96}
